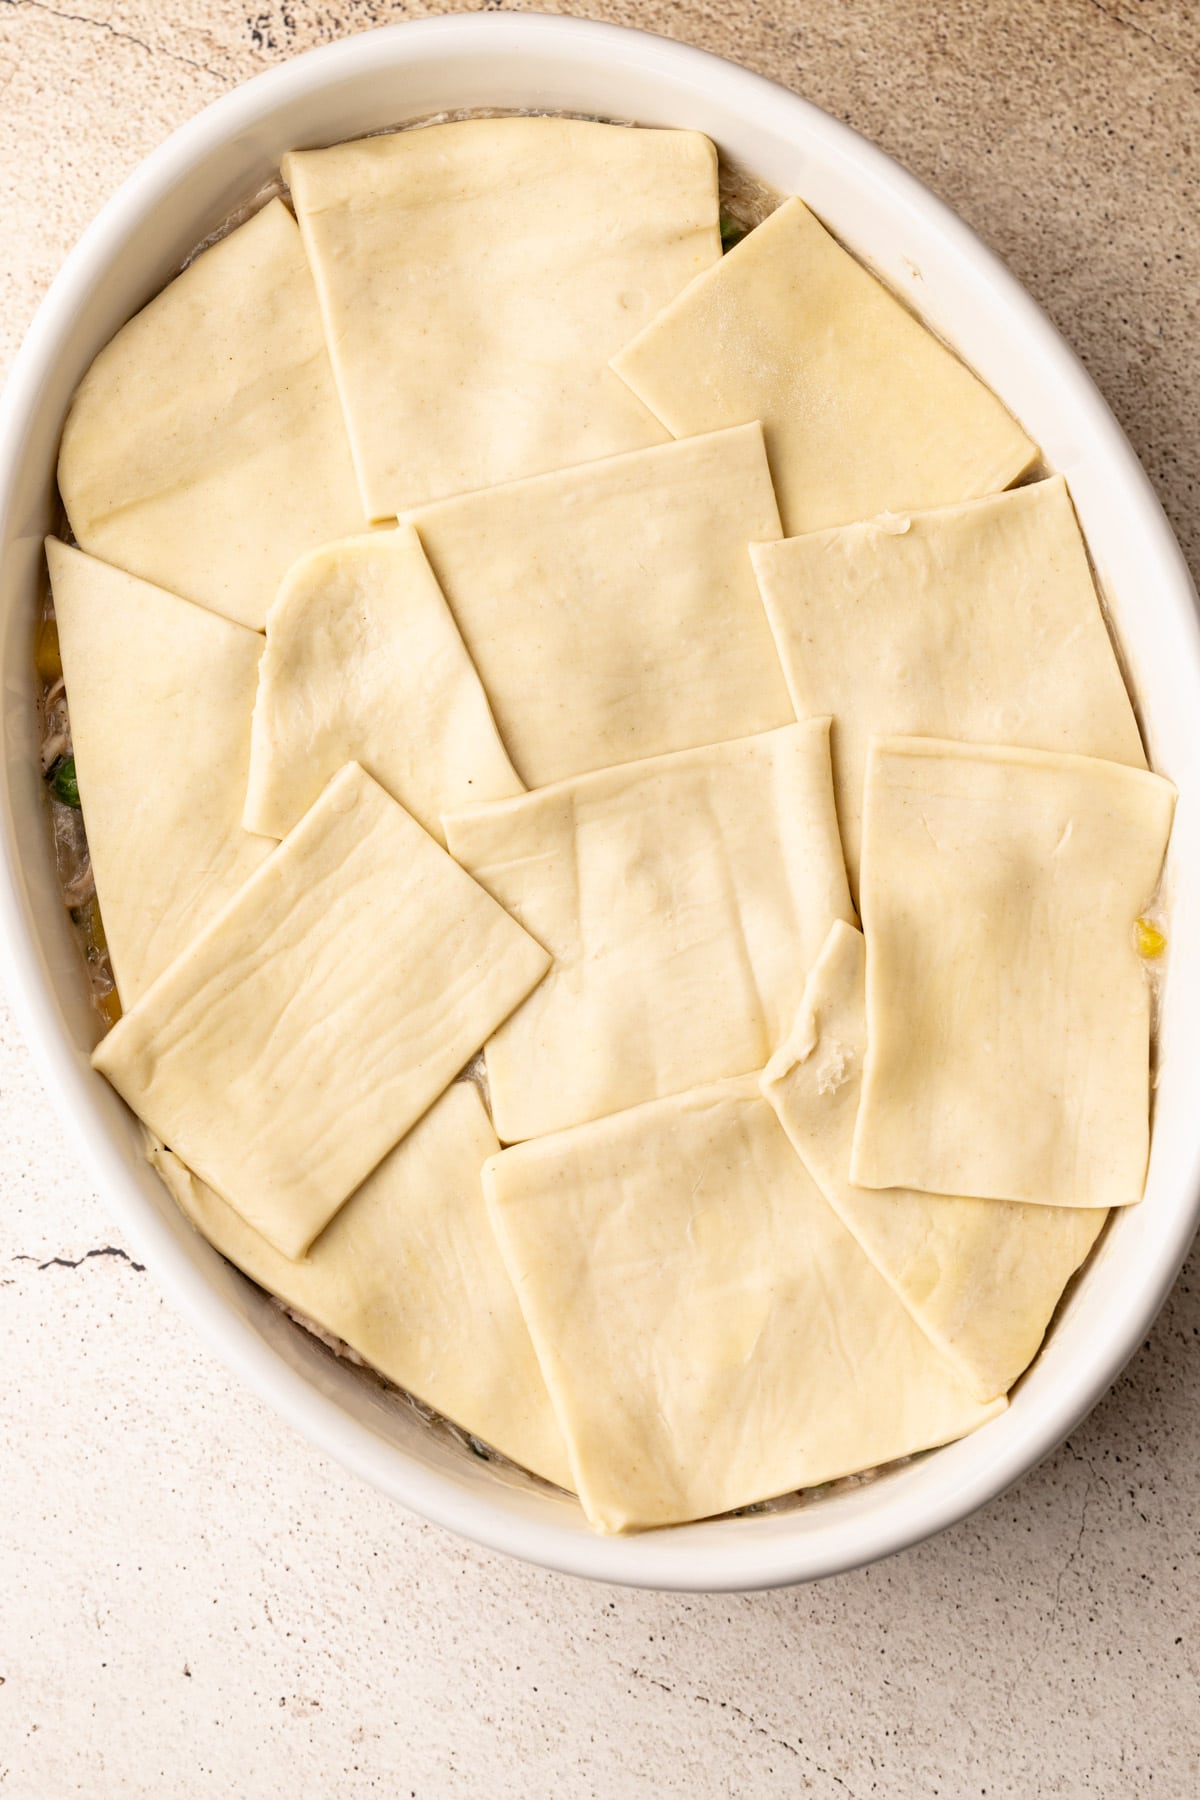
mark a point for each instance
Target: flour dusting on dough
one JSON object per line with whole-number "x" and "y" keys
{"x": 834, "y": 1068}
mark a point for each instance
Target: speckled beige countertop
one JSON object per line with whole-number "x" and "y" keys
{"x": 192, "y": 1602}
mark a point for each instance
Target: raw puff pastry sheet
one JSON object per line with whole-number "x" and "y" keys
{"x": 683, "y": 899}
{"x": 864, "y": 411}
{"x": 364, "y": 664}
{"x": 205, "y": 447}
{"x": 611, "y": 610}
{"x": 980, "y": 1277}
{"x": 1008, "y": 1012}
{"x": 409, "y": 1276}
{"x": 320, "y": 1014}
{"x": 161, "y": 693}
{"x": 977, "y": 622}
{"x": 711, "y": 1335}
{"x": 476, "y": 277}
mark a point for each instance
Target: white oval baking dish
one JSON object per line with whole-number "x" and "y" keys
{"x": 183, "y": 191}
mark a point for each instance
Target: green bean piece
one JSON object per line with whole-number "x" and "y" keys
{"x": 65, "y": 783}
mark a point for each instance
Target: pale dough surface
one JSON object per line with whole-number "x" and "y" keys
{"x": 980, "y": 1277}
{"x": 978, "y": 621}
{"x": 863, "y": 409}
{"x": 1008, "y": 1014}
{"x": 160, "y": 694}
{"x": 318, "y": 1016}
{"x": 475, "y": 278}
{"x": 364, "y": 663}
{"x": 683, "y": 900}
{"x": 409, "y": 1275}
{"x": 612, "y": 611}
{"x": 205, "y": 447}
{"x": 711, "y": 1335}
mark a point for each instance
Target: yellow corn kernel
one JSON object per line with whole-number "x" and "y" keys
{"x": 108, "y": 1005}
{"x": 95, "y": 925}
{"x": 1151, "y": 942}
{"x": 47, "y": 658}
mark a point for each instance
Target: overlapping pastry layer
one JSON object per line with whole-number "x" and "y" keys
{"x": 723, "y": 1310}
{"x": 475, "y": 278}
{"x": 321, "y": 1013}
{"x": 980, "y": 1277}
{"x": 711, "y": 1335}
{"x": 160, "y": 693}
{"x": 683, "y": 900}
{"x": 364, "y": 663}
{"x": 205, "y": 448}
{"x": 863, "y": 409}
{"x": 1008, "y": 1015}
{"x": 978, "y": 622}
{"x": 611, "y": 610}
{"x": 408, "y": 1274}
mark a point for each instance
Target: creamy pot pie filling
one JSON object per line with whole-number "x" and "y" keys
{"x": 550, "y": 758}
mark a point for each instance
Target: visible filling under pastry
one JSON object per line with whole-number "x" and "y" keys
{"x": 784, "y": 1201}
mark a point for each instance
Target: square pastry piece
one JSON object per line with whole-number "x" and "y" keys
{"x": 161, "y": 693}
{"x": 611, "y": 610}
{"x": 364, "y": 663}
{"x": 205, "y": 448}
{"x": 864, "y": 411}
{"x": 978, "y": 622}
{"x": 711, "y": 1335}
{"x": 410, "y": 1276}
{"x": 980, "y": 1277}
{"x": 320, "y": 1014}
{"x": 683, "y": 899}
{"x": 1008, "y": 1013}
{"x": 475, "y": 279}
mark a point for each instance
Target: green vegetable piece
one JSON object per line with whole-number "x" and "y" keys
{"x": 731, "y": 231}
{"x": 65, "y": 783}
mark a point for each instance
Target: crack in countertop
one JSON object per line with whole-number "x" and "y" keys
{"x": 1119, "y": 18}
{"x": 761, "y": 1730}
{"x": 126, "y": 37}
{"x": 66, "y": 1262}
